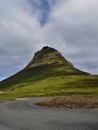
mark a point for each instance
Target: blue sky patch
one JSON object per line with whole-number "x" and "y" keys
{"x": 42, "y": 8}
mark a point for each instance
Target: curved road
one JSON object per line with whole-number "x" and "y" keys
{"x": 24, "y": 115}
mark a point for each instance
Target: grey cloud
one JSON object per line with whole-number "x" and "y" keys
{"x": 72, "y": 29}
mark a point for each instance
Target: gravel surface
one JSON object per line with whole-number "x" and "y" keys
{"x": 25, "y": 115}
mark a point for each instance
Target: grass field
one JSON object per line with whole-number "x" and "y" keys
{"x": 49, "y": 81}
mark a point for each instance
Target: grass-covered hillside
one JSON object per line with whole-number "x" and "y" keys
{"x": 48, "y": 74}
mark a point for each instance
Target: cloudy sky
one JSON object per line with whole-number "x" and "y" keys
{"x": 68, "y": 25}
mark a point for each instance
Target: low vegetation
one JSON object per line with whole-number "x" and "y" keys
{"x": 49, "y": 83}
{"x": 73, "y": 101}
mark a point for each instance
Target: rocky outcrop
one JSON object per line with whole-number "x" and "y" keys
{"x": 47, "y": 56}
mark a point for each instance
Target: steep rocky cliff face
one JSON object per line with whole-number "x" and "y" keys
{"x": 47, "y": 56}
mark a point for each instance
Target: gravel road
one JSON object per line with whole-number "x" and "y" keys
{"x": 25, "y": 115}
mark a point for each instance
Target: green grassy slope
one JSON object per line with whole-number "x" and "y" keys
{"x": 39, "y": 73}
{"x": 49, "y": 80}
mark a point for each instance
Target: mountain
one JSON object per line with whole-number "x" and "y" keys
{"x": 43, "y": 63}
{"x": 48, "y": 73}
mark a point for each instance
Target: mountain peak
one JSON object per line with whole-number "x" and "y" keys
{"x": 47, "y": 56}
{"x": 48, "y": 48}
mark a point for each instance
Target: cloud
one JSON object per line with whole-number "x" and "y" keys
{"x": 68, "y": 25}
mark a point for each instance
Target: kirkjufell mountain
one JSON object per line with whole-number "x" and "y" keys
{"x": 47, "y": 62}
{"x": 48, "y": 73}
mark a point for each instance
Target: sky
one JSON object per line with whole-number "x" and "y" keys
{"x": 26, "y": 26}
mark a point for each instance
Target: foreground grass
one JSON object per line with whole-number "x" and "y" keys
{"x": 53, "y": 86}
